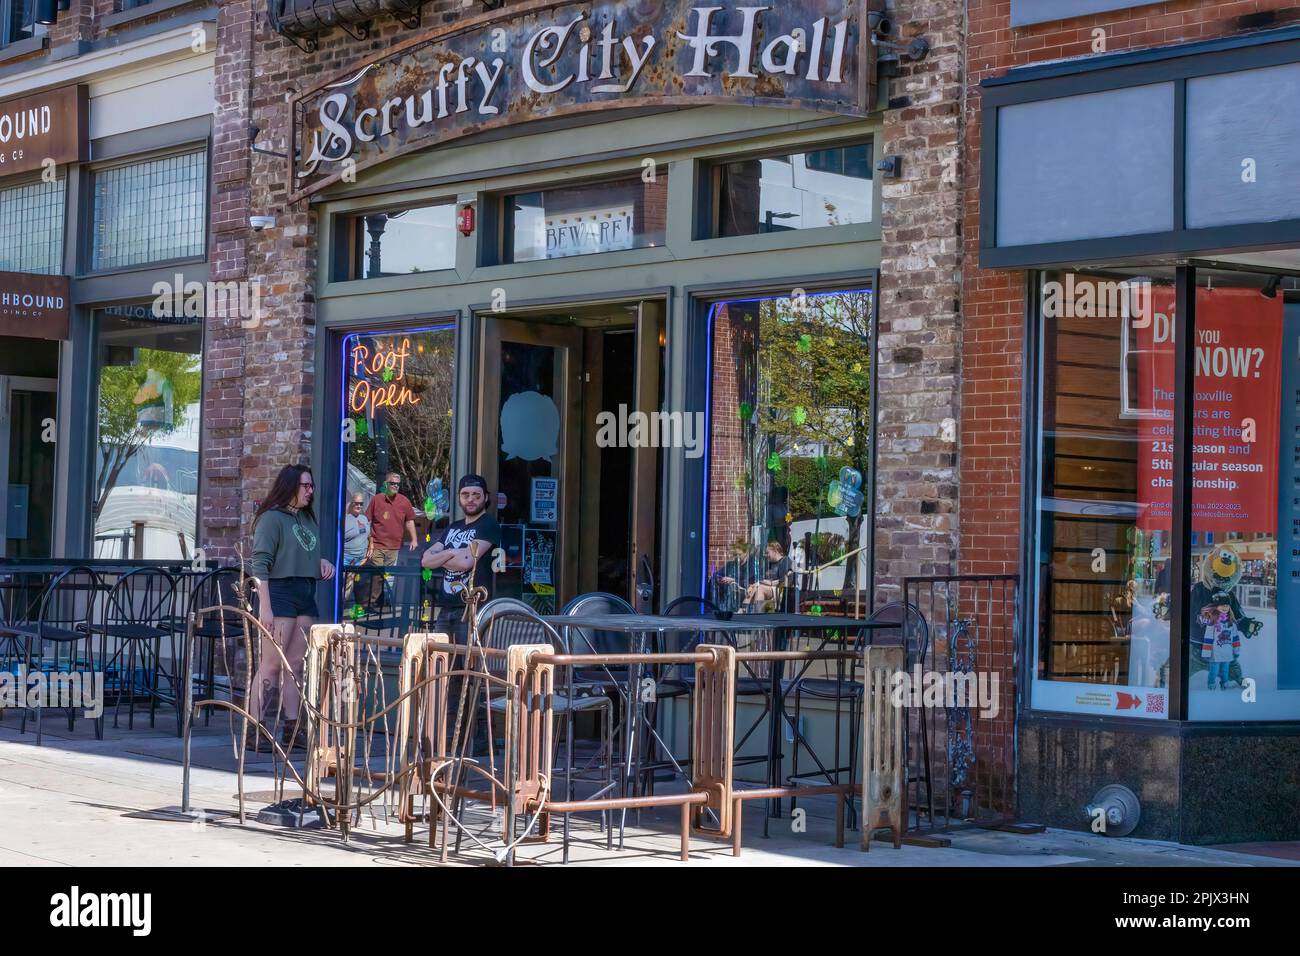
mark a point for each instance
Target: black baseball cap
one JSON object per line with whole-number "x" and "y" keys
{"x": 472, "y": 481}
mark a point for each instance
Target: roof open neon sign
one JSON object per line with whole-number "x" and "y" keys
{"x": 388, "y": 366}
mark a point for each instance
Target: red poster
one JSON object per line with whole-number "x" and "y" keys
{"x": 1238, "y": 387}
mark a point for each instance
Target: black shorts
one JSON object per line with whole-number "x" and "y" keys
{"x": 293, "y": 597}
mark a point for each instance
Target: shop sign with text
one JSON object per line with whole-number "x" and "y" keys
{"x": 558, "y": 57}
{"x": 51, "y": 126}
{"x": 33, "y": 306}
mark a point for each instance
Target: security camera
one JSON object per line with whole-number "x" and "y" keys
{"x": 259, "y": 223}
{"x": 880, "y": 24}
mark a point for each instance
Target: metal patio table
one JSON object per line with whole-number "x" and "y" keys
{"x": 639, "y": 627}
{"x": 781, "y": 625}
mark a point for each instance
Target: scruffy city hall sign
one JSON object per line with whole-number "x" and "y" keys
{"x": 558, "y": 57}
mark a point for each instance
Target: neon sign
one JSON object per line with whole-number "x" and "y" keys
{"x": 389, "y": 365}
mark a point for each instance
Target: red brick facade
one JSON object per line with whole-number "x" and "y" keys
{"x": 992, "y": 373}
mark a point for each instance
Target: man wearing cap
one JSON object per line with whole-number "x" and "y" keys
{"x": 464, "y": 553}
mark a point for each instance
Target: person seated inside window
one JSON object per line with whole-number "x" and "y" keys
{"x": 767, "y": 591}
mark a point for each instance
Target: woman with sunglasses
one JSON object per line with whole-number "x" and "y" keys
{"x": 288, "y": 566}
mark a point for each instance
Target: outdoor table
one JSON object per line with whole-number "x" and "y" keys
{"x": 639, "y": 627}
{"x": 781, "y": 624}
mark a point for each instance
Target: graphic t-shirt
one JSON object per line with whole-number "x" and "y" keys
{"x": 459, "y": 534}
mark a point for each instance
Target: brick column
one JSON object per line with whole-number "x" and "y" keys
{"x": 224, "y": 352}
{"x": 920, "y": 304}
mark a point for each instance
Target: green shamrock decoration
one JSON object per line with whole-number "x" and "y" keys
{"x": 356, "y": 612}
{"x": 388, "y": 375}
{"x": 361, "y": 426}
{"x": 816, "y": 609}
{"x": 800, "y": 415}
{"x": 805, "y": 343}
{"x": 427, "y": 574}
{"x": 774, "y": 462}
{"x": 746, "y": 411}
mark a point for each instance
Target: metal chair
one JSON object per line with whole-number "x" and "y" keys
{"x": 913, "y": 632}
{"x": 223, "y": 627}
{"x": 506, "y": 622}
{"x": 20, "y": 599}
{"x": 58, "y": 645}
{"x": 139, "y": 612}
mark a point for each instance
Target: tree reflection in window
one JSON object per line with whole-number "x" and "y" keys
{"x": 791, "y": 407}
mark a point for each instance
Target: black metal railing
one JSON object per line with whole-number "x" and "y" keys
{"x": 962, "y": 736}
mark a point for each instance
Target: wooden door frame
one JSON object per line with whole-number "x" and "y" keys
{"x": 495, "y": 331}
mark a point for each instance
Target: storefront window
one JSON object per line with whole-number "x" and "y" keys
{"x": 789, "y": 448}
{"x": 397, "y": 419}
{"x": 149, "y": 377}
{"x": 1243, "y": 664}
{"x": 1105, "y": 453}
{"x": 153, "y": 211}
{"x": 828, "y": 187}
{"x": 31, "y": 227}
{"x": 587, "y": 219}
{"x": 397, "y": 242}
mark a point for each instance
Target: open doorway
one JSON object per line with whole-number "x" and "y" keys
{"x": 578, "y": 487}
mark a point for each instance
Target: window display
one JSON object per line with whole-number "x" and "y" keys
{"x": 789, "y": 447}
{"x": 1107, "y": 490}
{"x": 1105, "y": 457}
{"x": 149, "y": 377}
{"x": 397, "y": 435}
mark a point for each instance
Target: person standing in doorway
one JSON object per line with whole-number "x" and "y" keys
{"x": 288, "y": 566}
{"x": 390, "y": 513}
{"x": 464, "y": 553}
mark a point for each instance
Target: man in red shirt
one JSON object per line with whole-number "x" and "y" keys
{"x": 390, "y": 513}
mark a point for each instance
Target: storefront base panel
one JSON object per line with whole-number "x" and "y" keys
{"x": 1200, "y": 789}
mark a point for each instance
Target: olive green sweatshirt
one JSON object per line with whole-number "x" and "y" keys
{"x": 286, "y": 544}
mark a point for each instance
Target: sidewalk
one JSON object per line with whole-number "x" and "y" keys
{"x": 81, "y": 802}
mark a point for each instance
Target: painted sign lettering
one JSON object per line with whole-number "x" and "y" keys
{"x": 558, "y": 57}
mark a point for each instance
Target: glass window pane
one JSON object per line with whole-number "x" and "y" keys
{"x": 401, "y": 241}
{"x": 31, "y": 227}
{"x": 150, "y": 212}
{"x": 398, "y": 390}
{"x": 1105, "y": 496}
{"x": 529, "y": 465}
{"x": 789, "y": 448}
{"x": 1243, "y": 662}
{"x": 829, "y": 187}
{"x": 1064, "y": 173}
{"x": 149, "y": 376}
{"x": 586, "y": 219}
{"x": 1241, "y": 159}
{"x": 17, "y": 20}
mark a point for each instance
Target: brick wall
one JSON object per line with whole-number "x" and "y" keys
{"x": 920, "y": 304}
{"x": 992, "y": 371}
{"x": 261, "y": 380}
